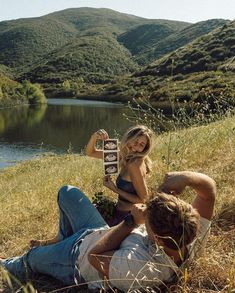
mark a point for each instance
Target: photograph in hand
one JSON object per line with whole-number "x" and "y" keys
{"x": 110, "y": 144}
{"x": 110, "y": 156}
{"x": 111, "y": 169}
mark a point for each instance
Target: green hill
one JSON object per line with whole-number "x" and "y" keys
{"x": 146, "y": 35}
{"x": 200, "y": 71}
{"x": 206, "y": 53}
{"x": 87, "y": 51}
{"x": 24, "y": 41}
{"x": 95, "y": 59}
{"x": 176, "y": 40}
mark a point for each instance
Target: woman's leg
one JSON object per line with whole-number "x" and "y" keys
{"x": 76, "y": 212}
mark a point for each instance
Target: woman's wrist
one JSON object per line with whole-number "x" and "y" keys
{"x": 94, "y": 137}
{"x": 116, "y": 190}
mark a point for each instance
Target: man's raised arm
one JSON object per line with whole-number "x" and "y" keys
{"x": 204, "y": 186}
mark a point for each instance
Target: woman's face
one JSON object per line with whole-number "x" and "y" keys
{"x": 138, "y": 145}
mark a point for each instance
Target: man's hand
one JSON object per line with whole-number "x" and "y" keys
{"x": 174, "y": 183}
{"x": 138, "y": 211}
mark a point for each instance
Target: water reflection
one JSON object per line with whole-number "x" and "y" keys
{"x": 19, "y": 116}
{"x": 26, "y": 131}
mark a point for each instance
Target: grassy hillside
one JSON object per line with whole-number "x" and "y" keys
{"x": 200, "y": 71}
{"x": 25, "y": 40}
{"x": 88, "y": 52}
{"x": 95, "y": 58}
{"x": 28, "y": 198}
{"x": 177, "y": 39}
{"x": 208, "y": 52}
{"x": 204, "y": 88}
{"x": 146, "y": 35}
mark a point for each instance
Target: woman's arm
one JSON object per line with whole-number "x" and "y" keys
{"x": 91, "y": 149}
{"x": 132, "y": 198}
{"x": 135, "y": 172}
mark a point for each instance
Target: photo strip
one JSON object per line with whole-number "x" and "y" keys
{"x": 110, "y": 145}
{"x": 110, "y": 156}
{"x": 111, "y": 169}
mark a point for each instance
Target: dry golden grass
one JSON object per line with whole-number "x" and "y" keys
{"x": 28, "y": 194}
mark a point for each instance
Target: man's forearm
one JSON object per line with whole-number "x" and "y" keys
{"x": 205, "y": 188}
{"x": 201, "y": 183}
{"x": 112, "y": 239}
{"x": 100, "y": 255}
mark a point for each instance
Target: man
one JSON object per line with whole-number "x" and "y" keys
{"x": 145, "y": 250}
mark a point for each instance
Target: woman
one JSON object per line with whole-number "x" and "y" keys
{"x": 134, "y": 164}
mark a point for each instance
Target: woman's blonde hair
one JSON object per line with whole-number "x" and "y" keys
{"x": 131, "y": 135}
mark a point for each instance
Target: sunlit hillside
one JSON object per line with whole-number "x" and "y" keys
{"x": 28, "y": 198}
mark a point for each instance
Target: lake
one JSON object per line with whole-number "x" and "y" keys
{"x": 63, "y": 125}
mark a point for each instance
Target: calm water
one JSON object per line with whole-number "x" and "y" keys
{"x": 59, "y": 126}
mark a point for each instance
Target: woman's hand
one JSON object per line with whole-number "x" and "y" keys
{"x": 100, "y": 134}
{"x": 91, "y": 149}
{"x": 107, "y": 182}
{"x": 138, "y": 211}
{"x": 174, "y": 183}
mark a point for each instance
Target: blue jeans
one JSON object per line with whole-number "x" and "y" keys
{"x": 78, "y": 218}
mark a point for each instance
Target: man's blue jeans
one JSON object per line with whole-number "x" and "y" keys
{"x": 78, "y": 217}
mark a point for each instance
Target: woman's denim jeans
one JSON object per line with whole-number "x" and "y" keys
{"x": 78, "y": 217}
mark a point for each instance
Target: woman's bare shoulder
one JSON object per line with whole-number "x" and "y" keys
{"x": 136, "y": 163}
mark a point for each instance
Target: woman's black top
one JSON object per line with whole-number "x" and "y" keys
{"x": 125, "y": 186}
